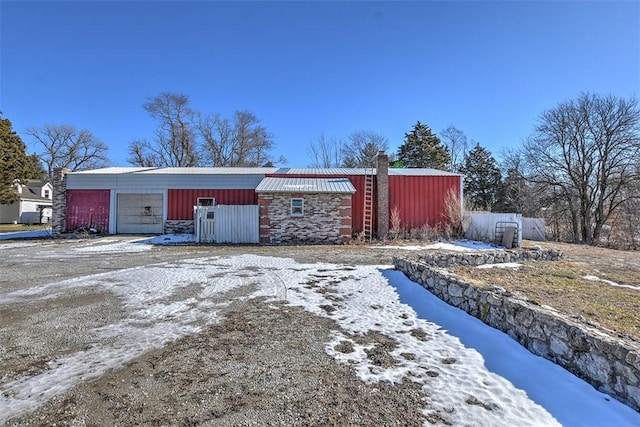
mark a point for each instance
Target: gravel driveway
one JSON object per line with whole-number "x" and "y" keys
{"x": 115, "y": 331}
{"x": 257, "y": 364}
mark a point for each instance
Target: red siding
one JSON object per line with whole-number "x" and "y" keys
{"x": 420, "y": 199}
{"x": 181, "y": 202}
{"x": 88, "y": 208}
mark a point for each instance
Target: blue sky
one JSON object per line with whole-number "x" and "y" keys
{"x": 307, "y": 68}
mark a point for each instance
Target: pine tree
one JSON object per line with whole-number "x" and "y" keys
{"x": 14, "y": 162}
{"x": 482, "y": 178}
{"x": 423, "y": 149}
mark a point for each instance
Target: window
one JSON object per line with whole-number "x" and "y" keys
{"x": 46, "y": 193}
{"x": 297, "y": 207}
{"x": 206, "y": 201}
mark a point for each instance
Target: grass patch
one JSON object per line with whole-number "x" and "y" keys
{"x": 10, "y": 228}
{"x": 562, "y": 285}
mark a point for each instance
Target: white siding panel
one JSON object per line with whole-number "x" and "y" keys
{"x": 237, "y": 224}
{"x": 140, "y": 213}
{"x": 162, "y": 181}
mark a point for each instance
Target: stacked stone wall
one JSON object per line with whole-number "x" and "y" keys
{"x": 609, "y": 363}
{"x": 444, "y": 259}
{"x": 327, "y": 218}
{"x": 59, "y": 202}
{"x": 179, "y": 227}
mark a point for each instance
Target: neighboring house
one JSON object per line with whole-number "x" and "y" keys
{"x": 295, "y": 204}
{"x": 33, "y": 205}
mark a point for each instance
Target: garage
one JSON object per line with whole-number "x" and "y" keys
{"x": 140, "y": 213}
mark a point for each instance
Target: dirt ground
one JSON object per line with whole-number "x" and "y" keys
{"x": 565, "y": 285}
{"x": 261, "y": 364}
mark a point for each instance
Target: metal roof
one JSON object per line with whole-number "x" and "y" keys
{"x": 177, "y": 171}
{"x": 111, "y": 171}
{"x": 262, "y": 171}
{"x": 363, "y": 171}
{"x": 305, "y": 185}
{"x": 210, "y": 171}
{"x": 420, "y": 172}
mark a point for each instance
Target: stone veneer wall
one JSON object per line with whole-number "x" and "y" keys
{"x": 610, "y": 364}
{"x": 179, "y": 226}
{"x": 327, "y": 218}
{"x": 59, "y": 202}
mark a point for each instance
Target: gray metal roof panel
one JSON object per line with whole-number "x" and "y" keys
{"x": 363, "y": 171}
{"x": 177, "y": 171}
{"x": 305, "y": 185}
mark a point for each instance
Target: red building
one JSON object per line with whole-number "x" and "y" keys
{"x": 161, "y": 200}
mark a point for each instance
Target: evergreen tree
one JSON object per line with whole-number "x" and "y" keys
{"x": 14, "y": 162}
{"x": 482, "y": 178}
{"x": 423, "y": 149}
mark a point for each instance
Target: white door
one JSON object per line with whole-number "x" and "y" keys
{"x": 140, "y": 213}
{"x": 205, "y": 218}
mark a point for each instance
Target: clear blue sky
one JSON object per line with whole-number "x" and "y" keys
{"x": 306, "y": 68}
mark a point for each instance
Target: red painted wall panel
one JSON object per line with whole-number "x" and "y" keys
{"x": 180, "y": 203}
{"x": 88, "y": 208}
{"x": 420, "y": 199}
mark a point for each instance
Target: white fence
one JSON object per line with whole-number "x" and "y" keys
{"x": 533, "y": 229}
{"x": 489, "y": 227}
{"x": 227, "y": 224}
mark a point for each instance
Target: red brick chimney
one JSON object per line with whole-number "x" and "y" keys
{"x": 382, "y": 195}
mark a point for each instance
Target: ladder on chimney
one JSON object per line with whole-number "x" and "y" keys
{"x": 367, "y": 220}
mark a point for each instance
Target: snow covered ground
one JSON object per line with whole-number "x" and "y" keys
{"x": 472, "y": 374}
{"x": 26, "y": 234}
{"x": 454, "y": 245}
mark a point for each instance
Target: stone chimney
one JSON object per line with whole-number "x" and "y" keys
{"x": 382, "y": 195}
{"x": 59, "y": 203}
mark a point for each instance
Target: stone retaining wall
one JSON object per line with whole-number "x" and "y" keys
{"x": 610, "y": 364}
{"x": 444, "y": 259}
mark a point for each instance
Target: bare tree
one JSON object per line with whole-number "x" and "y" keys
{"x": 174, "y": 144}
{"x": 239, "y": 142}
{"x": 362, "y": 149}
{"x": 587, "y": 150}
{"x": 326, "y": 153}
{"x": 458, "y": 146}
{"x": 64, "y": 146}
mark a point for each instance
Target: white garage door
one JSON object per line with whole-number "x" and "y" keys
{"x": 139, "y": 213}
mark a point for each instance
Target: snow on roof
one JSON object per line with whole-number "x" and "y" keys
{"x": 305, "y": 185}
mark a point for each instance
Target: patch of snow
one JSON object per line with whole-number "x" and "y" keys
{"x": 569, "y": 399}
{"x": 609, "y": 282}
{"x": 170, "y": 239}
{"x": 17, "y": 245}
{"x": 136, "y": 245}
{"x": 26, "y": 234}
{"x": 455, "y": 245}
{"x": 100, "y": 247}
{"x": 500, "y": 265}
